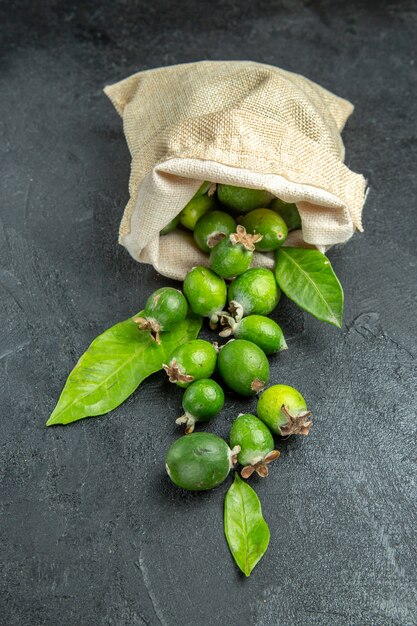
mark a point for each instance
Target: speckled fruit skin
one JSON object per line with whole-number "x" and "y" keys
{"x": 256, "y": 291}
{"x": 243, "y": 366}
{"x": 270, "y": 225}
{"x": 196, "y": 207}
{"x": 167, "y": 306}
{"x": 241, "y": 199}
{"x": 288, "y": 212}
{"x": 198, "y": 462}
{"x": 271, "y": 402}
{"x": 205, "y": 291}
{"x": 262, "y": 331}
{"x": 211, "y": 224}
{"x": 203, "y": 399}
{"x": 229, "y": 260}
{"x": 253, "y": 437}
{"x": 196, "y": 358}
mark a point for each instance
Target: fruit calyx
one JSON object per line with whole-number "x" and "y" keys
{"x": 257, "y": 385}
{"x": 215, "y": 238}
{"x": 230, "y": 324}
{"x": 189, "y": 421}
{"x": 212, "y": 189}
{"x": 233, "y": 456}
{"x": 298, "y": 424}
{"x": 247, "y": 240}
{"x": 214, "y": 319}
{"x": 236, "y": 310}
{"x": 261, "y": 466}
{"x": 176, "y": 373}
{"x": 150, "y": 324}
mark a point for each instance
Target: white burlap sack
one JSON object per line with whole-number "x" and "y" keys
{"x": 235, "y": 122}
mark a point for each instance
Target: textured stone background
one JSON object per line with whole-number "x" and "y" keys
{"x": 91, "y": 531}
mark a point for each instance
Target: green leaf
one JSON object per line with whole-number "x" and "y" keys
{"x": 113, "y": 367}
{"x": 307, "y": 277}
{"x": 246, "y": 531}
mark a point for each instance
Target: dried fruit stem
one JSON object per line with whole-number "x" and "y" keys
{"x": 187, "y": 419}
{"x": 150, "y": 324}
{"x": 176, "y": 373}
{"x": 214, "y": 239}
{"x": 257, "y": 385}
{"x": 229, "y": 322}
{"x": 233, "y": 456}
{"x": 260, "y": 467}
{"x": 299, "y": 424}
{"x": 236, "y": 310}
{"x": 247, "y": 240}
{"x": 214, "y": 319}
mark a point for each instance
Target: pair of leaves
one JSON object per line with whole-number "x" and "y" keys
{"x": 114, "y": 365}
{"x": 246, "y": 531}
{"x": 307, "y": 277}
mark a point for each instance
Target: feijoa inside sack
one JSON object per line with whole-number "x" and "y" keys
{"x": 235, "y": 122}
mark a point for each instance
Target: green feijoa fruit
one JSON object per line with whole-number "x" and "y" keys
{"x": 164, "y": 309}
{"x": 254, "y": 292}
{"x": 284, "y": 410}
{"x": 241, "y": 199}
{"x": 206, "y": 293}
{"x": 212, "y": 228}
{"x": 233, "y": 255}
{"x": 259, "y": 329}
{"x": 268, "y": 224}
{"x": 205, "y": 188}
{"x": 288, "y": 212}
{"x": 199, "y": 461}
{"x": 256, "y": 445}
{"x": 202, "y": 400}
{"x": 172, "y": 225}
{"x": 196, "y": 207}
{"x": 229, "y": 260}
{"x": 191, "y": 361}
{"x": 243, "y": 366}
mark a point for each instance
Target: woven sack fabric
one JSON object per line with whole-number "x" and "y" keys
{"x": 235, "y": 122}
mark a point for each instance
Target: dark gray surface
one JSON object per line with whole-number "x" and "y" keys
{"x": 91, "y": 531}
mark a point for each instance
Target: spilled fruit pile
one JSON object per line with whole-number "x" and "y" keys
{"x": 228, "y": 223}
